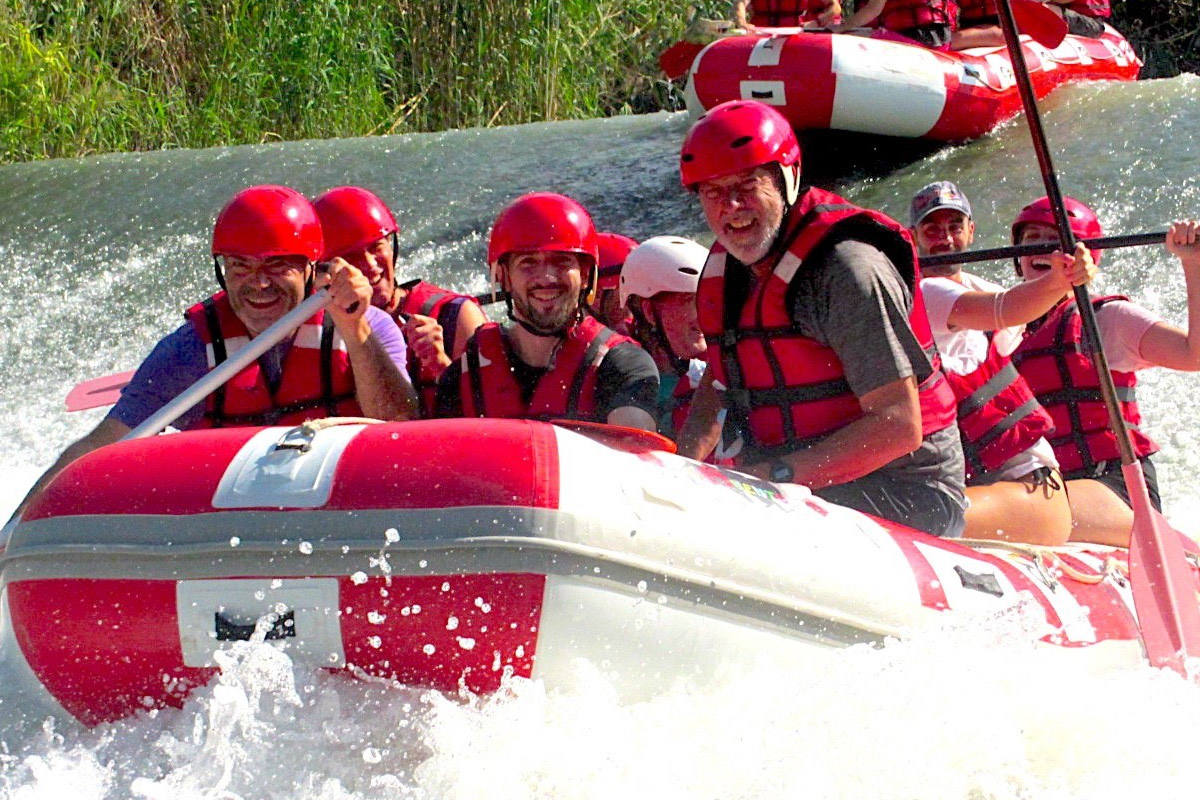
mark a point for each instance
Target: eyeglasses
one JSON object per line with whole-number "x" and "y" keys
{"x": 723, "y": 193}
{"x": 274, "y": 268}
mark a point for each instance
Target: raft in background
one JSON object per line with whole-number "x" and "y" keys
{"x": 877, "y": 85}
{"x": 446, "y": 553}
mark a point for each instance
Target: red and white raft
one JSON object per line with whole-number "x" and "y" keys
{"x": 445, "y": 553}
{"x": 881, "y": 86}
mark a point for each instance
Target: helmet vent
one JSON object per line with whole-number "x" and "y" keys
{"x": 689, "y": 271}
{"x": 687, "y": 158}
{"x": 741, "y": 141}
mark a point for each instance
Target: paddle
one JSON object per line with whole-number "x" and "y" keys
{"x": 273, "y": 335}
{"x": 1040, "y": 22}
{"x": 1015, "y": 250}
{"x": 1164, "y": 591}
{"x": 97, "y": 392}
{"x": 677, "y": 59}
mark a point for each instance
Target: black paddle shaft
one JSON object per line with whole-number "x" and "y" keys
{"x": 1040, "y": 248}
{"x": 1066, "y": 236}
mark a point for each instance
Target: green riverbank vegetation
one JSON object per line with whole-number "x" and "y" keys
{"x": 89, "y": 76}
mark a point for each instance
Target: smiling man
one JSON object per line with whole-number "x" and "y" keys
{"x": 817, "y": 338}
{"x": 346, "y": 360}
{"x": 361, "y": 231}
{"x": 554, "y": 360}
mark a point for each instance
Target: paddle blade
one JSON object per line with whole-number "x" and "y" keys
{"x": 1040, "y": 22}
{"x": 1164, "y": 588}
{"x": 677, "y": 59}
{"x": 98, "y": 391}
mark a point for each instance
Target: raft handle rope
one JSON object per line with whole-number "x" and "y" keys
{"x": 300, "y": 437}
{"x": 1049, "y": 563}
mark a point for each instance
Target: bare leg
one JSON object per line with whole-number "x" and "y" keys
{"x": 977, "y": 36}
{"x": 1019, "y": 511}
{"x": 1100, "y": 516}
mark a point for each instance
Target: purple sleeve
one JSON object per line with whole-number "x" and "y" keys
{"x": 388, "y": 334}
{"x": 175, "y": 363}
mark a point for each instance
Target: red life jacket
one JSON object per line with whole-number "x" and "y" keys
{"x": 567, "y": 390}
{"x": 316, "y": 380}
{"x": 1054, "y": 362}
{"x": 1092, "y": 8}
{"x": 790, "y": 389}
{"x": 786, "y": 13}
{"x": 901, "y": 15}
{"x": 998, "y": 416}
{"x": 444, "y": 306}
{"x": 972, "y": 10}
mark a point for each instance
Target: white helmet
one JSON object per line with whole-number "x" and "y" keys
{"x": 662, "y": 264}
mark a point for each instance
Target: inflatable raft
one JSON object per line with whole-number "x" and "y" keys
{"x": 877, "y": 85}
{"x": 448, "y": 553}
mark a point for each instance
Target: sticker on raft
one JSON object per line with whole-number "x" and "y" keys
{"x": 764, "y": 492}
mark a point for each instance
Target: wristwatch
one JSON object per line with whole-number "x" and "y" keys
{"x": 781, "y": 472}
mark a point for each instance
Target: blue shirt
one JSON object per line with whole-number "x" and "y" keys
{"x": 179, "y": 360}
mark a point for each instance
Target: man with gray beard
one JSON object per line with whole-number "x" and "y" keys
{"x": 555, "y": 361}
{"x": 818, "y": 345}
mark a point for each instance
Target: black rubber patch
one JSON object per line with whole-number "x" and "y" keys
{"x": 984, "y": 582}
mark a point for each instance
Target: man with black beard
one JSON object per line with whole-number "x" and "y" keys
{"x": 554, "y": 361}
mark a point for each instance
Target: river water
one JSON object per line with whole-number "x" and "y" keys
{"x": 104, "y": 253}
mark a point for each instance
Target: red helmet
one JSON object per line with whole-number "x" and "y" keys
{"x": 614, "y": 249}
{"x": 352, "y": 218}
{"x": 265, "y": 221}
{"x": 735, "y": 136}
{"x": 545, "y": 221}
{"x": 1084, "y": 222}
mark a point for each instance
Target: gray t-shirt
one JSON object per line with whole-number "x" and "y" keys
{"x": 852, "y": 298}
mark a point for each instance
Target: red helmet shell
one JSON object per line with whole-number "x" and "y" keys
{"x": 614, "y": 249}
{"x": 543, "y": 221}
{"x": 265, "y": 221}
{"x": 733, "y": 137}
{"x": 1084, "y": 222}
{"x": 353, "y": 218}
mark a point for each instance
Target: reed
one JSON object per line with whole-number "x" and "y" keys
{"x": 88, "y": 76}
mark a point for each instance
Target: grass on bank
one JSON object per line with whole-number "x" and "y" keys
{"x": 82, "y": 77}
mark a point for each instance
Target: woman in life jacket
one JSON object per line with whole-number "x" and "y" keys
{"x": 1013, "y": 480}
{"x": 1055, "y": 362}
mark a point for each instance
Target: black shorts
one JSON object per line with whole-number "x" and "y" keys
{"x": 926, "y": 508}
{"x": 934, "y": 36}
{"x": 1109, "y": 473}
{"x": 979, "y": 22}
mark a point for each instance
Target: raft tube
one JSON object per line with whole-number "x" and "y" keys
{"x": 448, "y": 553}
{"x": 876, "y": 84}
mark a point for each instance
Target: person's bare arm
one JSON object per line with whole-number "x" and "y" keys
{"x": 890, "y": 427}
{"x": 1025, "y": 302}
{"x": 470, "y": 317}
{"x": 1165, "y": 344}
{"x": 108, "y": 431}
{"x": 864, "y": 13}
{"x": 701, "y": 432}
{"x": 381, "y": 389}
